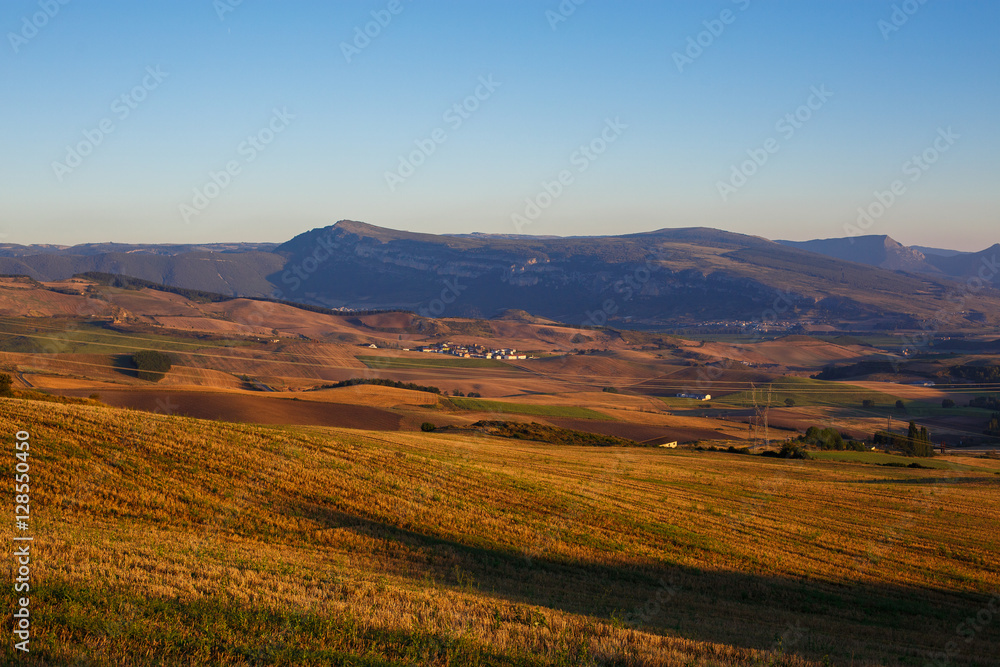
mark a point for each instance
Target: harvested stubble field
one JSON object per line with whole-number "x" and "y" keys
{"x": 167, "y": 540}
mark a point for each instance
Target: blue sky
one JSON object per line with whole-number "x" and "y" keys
{"x": 314, "y": 132}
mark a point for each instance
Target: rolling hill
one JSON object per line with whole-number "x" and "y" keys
{"x": 887, "y": 253}
{"x": 166, "y": 540}
{"x": 668, "y": 277}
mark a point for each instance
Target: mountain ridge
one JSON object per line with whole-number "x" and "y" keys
{"x": 668, "y": 276}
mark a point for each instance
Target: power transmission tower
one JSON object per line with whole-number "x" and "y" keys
{"x": 767, "y": 413}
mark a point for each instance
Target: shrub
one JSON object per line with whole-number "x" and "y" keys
{"x": 551, "y": 434}
{"x": 868, "y": 403}
{"x": 947, "y": 403}
{"x": 152, "y": 364}
{"x": 610, "y": 390}
{"x": 790, "y": 450}
{"x": 986, "y": 402}
{"x": 427, "y": 427}
{"x": 993, "y": 428}
{"x": 381, "y": 382}
{"x": 827, "y": 438}
{"x": 790, "y": 402}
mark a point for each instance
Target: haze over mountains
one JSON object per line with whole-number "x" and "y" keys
{"x": 664, "y": 277}
{"x": 887, "y": 253}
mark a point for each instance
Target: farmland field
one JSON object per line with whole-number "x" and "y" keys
{"x": 806, "y": 391}
{"x": 169, "y": 540}
{"x": 880, "y": 458}
{"x": 504, "y": 407}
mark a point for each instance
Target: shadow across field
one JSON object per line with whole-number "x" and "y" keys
{"x": 843, "y": 620}
{"x": 248, "y": 408}
{"x": 124, "y": 364}
{"x": 930, "y": 481}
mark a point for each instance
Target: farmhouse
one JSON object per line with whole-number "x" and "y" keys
{"x": 697, "y": 397}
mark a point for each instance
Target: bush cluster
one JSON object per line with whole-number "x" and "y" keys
{"x": 151, "y": 364}
{"x": 382, "y": 383}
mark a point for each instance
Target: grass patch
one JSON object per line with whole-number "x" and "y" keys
{"x": 502, "y": 407}
{"x": 809, "y": 392}
{"x": 881, "y": 458}
{"x": 68, "y": 336}
{"x": 435, "y": 361}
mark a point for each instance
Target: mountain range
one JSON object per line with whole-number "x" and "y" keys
{"x": 673, "y": 277}
{"x": 887, "y": 253}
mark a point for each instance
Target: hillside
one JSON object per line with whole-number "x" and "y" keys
{"x": 167, "y": 540}
{"x": 887, "y": 253}
{"x": 880, "y": 251}
{"x": 669, "y": 277}
{"x": 661, "y": 277}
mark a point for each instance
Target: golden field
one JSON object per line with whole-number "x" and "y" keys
{"x": 169, "y": 540}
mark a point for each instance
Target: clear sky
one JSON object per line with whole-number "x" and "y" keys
{"x": 318, "y": 122}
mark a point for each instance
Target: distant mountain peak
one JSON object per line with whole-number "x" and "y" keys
{"x": 879, "y": 250}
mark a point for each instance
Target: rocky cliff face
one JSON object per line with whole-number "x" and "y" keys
{"x": 659, "y": 278}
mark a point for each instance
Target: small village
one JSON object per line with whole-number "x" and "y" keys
{"x": 472, "y": 351}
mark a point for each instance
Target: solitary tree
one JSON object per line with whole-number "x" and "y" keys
{"x": 5, "y": 384}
